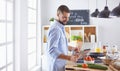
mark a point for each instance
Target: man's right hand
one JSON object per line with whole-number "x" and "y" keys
{"x": 74, "y": 58}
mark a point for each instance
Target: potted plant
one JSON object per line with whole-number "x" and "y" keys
{"x": 77, "y": 40}
{"x": 51, "y": 20}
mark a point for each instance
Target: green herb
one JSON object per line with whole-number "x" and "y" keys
{"x": 73, "y": 37}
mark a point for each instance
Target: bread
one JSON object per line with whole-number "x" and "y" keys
{"x": 117, "y": 65}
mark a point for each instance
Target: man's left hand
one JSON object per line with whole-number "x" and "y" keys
{"x": 76, "y": 49}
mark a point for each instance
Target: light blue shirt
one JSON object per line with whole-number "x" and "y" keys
{"x": 56, "y": 45}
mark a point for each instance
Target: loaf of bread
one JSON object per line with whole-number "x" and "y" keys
{"x": 116, "y": 65}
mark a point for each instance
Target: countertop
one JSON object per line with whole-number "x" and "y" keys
{"x": 72, "y": 65}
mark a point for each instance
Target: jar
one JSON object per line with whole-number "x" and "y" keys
{"x": 104, "y": 49}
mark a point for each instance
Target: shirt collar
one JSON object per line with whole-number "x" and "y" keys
{"x": 59, "y": 24}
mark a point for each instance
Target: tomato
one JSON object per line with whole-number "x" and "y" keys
{"x": 93, "y": 59}
{"x": 88, "y": 58}
{"x": 85, "y": 58}
{"x": 84, "y": 65}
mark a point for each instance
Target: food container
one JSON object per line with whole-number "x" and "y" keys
{"x": 89, "y": 61}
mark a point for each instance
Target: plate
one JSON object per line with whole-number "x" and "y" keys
{"x": 95, "y": 55}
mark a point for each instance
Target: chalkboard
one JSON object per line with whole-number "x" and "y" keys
{"x": 79, "y": 17}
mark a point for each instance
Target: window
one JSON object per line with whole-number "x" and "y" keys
{"x": 32, "y": 44}
{"x": 6, "y": 35}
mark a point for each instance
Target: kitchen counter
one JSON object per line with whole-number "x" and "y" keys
{"x": 71, "y": 65}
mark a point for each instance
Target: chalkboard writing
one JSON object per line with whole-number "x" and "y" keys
{"x": 79, "y": 17}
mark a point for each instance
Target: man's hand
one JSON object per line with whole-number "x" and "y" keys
{"x": 76, "y": 49}
{"x": 74, "y": 58}
{"x": 82, "y": 54}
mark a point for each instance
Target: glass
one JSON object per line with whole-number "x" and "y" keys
{"x": 31, "y": 16}
{"x": 10, "y": 67}
{"x": 32, "y": 3}
{"x": 2, "y": 9}
{"x": 31, "y": 30}
{"x": 9, "y": 53}
{"x": 2, "y": 56}
{"x": 10, "y": 11}
{"x": 112, "y": 53}
{"x": 111, "y": 49}
{"x": 114, "y": 49}
{"x": 9, "y": 32}
{"x": 31, "y": 60}
{"x": 98, "y": 47}
{"x": 31, "y": 45}
{"x": 32, "y": 33}
{"x": 4, "y": 69}
{"x": 2, "y": 32}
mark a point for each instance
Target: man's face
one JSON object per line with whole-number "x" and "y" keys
{"x": 63, "y": 17}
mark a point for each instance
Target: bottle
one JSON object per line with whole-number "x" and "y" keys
{"x": 104, "y": 49}
{"x": 114, "y": 49}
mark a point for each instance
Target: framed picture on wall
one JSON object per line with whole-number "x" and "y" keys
{"x": 79, "y": 17}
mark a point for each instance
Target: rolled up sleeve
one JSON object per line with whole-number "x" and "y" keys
{"x": 53, "y": 43}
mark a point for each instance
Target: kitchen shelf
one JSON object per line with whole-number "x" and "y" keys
{"x": 88, "y": 33}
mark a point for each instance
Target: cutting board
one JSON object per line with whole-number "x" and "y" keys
{"x": 112, "y": 68}
{"x": 82, "y": 69}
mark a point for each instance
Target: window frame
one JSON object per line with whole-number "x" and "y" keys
{"x": 33, "y": 37}
{"x": 6, "y": 43}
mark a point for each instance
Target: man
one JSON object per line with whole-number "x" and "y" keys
{"x": 57, "y": 45}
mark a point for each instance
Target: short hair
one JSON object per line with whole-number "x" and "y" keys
{"x": 63, "y": 8}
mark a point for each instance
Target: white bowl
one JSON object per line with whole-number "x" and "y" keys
{"x": 89, "y": 61}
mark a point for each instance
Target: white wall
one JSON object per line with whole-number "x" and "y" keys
{"x": 108, "y": 28}
{"x": 44, "y": 5}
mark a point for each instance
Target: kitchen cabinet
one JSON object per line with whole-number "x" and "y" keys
{"x": 89, "y": 33}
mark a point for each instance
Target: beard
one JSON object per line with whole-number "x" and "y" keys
{"x": 63, "y": 23}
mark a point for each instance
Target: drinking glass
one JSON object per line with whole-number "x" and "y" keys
{"x": 98, "y": 47}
